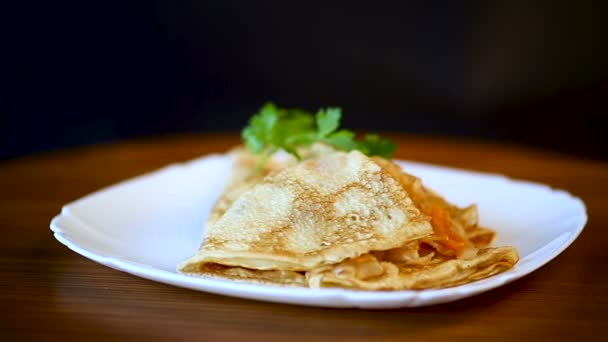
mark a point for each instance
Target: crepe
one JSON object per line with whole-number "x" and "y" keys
{"x": 244, "y": 175}
{"x": 341, "y": 219}
{"x": 370, "y": 272}
{"x": 318, "y": 212}
{"x": 455, "y": 228}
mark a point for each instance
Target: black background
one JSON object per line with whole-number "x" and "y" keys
{"x": 525, "y": 72}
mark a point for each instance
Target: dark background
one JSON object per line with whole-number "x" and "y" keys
{"x": 525, "y": 72}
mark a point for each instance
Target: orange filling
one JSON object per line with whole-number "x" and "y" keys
{"x": 442, "y": 227}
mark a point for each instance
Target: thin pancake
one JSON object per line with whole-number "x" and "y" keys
{"x": 343, "y": 220}
{"x": 390, "y": 276}
{"x": 318, "y": 212}
{"x": 455, "y": 229}
{"x": 448, "y": 257}
{"x": 244, "y": 175}
{"x": 265, "y": 277}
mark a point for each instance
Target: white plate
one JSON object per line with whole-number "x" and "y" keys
{"x": 147, "y": 225}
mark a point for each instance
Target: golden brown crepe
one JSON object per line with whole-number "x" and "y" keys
{"x": 244, "y": 173}
{"x": 243, "y": 177}
{"x": 341, "y": 219}
{"x": 456, "y": 229}
{"x": 320, "y": 211}
{"x": 374, "y": 273}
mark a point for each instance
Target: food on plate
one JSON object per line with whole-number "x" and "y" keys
{"x": 318, "y": 208}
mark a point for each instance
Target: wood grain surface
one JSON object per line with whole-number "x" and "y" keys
{"x": 49, "y": 292}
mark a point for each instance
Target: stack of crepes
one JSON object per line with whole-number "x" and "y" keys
{"x": 341, "y": 219}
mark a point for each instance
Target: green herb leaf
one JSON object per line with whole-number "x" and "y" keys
{"x": 328, "y": 121}
{"x": 343, "y": 140}
{"x": 260, "y": 131}
{"x": 373, "y": 145}
{"x": 273, "y": 128}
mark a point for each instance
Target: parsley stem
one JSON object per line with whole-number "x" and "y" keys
{"x": 263, "y": 159}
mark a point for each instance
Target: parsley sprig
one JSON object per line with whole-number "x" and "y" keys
{"x": 273, "y": 128}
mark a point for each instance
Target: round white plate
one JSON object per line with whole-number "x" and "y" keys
{"x": 147, "y": 225}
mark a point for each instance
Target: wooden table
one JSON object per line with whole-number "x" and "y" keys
{"x": 48, "y": 291}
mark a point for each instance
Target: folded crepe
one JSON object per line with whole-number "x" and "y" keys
{"x": 404, "y": 268}
{"x": 317, "y": 212}
{"x": 341, "y": 219}
{"x": 455, "y": 229}
{"x": 244, "y": 175}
